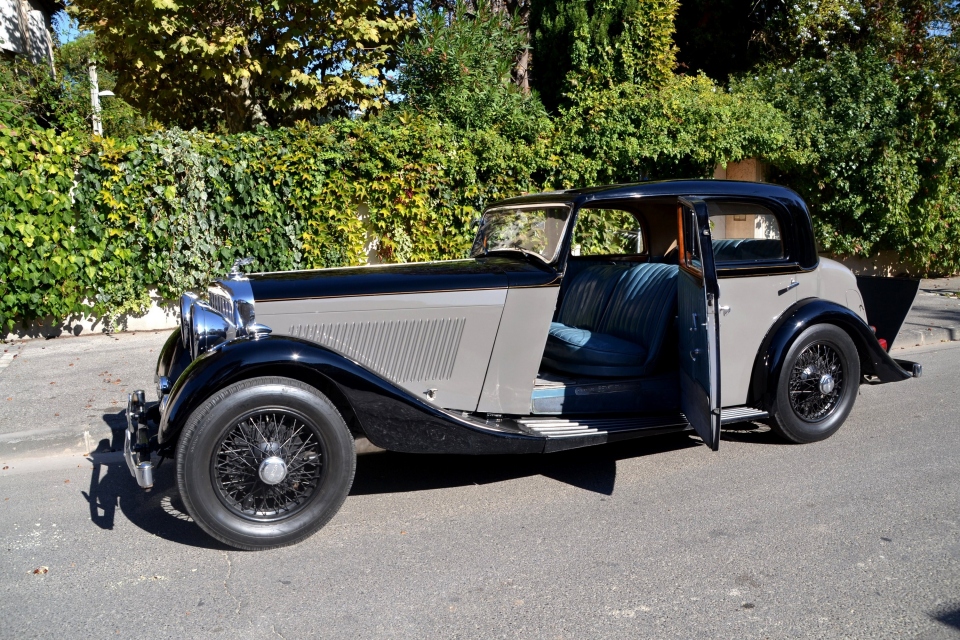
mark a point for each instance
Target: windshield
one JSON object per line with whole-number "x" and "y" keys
{"x": 536, "y": 230}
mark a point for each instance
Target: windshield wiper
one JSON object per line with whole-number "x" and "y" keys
{"x": 524, "y": 252}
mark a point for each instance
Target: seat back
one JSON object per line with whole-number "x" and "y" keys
{"x": 642, "y": 306}
{"x": 587, "y": 297}
{"x": 725, "y": 250}
{"x": 745, "y": 249}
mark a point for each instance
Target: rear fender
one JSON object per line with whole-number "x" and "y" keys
{"x": 874, "y": 361}
{"x": 390, "y": 417}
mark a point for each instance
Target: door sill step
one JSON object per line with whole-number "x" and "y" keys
{"x": 741, "y": 414}
{"x": 559, "y": 428}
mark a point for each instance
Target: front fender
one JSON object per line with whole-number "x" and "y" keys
{"x": 805, "y": 313}
{"x": 390, "y": 417}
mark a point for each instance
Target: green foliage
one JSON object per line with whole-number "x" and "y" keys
{"x": 174, "y": 210}
{"x": 604, "y": 232}
{"x": 683, "y": 129}
{"x": 599, "y": 44}
{"x": 30, "y": 95}
{"x": 51, "y": 252}
{"x": 458, "y": 67}
{"x": 884, "y": 153}
{"x": 237, "y": 65}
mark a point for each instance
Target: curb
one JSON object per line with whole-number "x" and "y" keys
{"x": 52, "y": 442}
{"x": 45, "y": 442}
{"x": 931, "y": 335}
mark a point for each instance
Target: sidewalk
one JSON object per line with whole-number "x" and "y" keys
{"x": 68, "y": 395}
{"x": 935, "y": 316}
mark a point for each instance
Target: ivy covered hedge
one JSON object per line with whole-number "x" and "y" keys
{"x": 102, "y": 222}
{"x": 105, "y": 222}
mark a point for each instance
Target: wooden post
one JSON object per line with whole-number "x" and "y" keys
{"x": 95, "y": 100}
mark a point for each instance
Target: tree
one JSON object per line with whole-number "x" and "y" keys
{"x": 459, "y": 65}
{"x": 877, "y": 106}
{"x": 720, "y": 37}
{"x": 599, "y": 43}
{"x": 725, "y": 37}
{"x": 236, "y": 65}
{"x": 31, "y": 96}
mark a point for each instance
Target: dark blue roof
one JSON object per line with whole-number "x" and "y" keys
{"x": 666, "y": 188}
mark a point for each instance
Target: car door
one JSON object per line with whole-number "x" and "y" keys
{"x": 698, "y": 326}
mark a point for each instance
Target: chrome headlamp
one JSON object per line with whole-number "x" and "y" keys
{"x": 207, "y": 328}
{"x": 186, "y": 307}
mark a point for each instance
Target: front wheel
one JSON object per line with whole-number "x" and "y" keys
{"x": 265, "y": 463}
{"x": 818, "y": 385}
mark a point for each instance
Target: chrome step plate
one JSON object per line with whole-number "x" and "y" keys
{"x": 741, "y": 414}
{"x": 557, "y": 428}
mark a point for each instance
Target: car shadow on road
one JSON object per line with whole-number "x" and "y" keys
{"x": 158, "y": 511}
{"x": 751, "y": 433}
{"x": 592, "y": 468}
{"x": 949, "y": 616}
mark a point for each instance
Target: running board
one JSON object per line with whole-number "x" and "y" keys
{"x": 571, "y": 434}
{"x": 741, "y": 414}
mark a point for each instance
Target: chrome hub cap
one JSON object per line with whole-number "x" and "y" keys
{"x": 816, "y": 382}
{"x": 273, "y": 470}
{"x": 826, "y": 384}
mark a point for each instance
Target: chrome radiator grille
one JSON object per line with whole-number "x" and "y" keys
{"x": 399, "y": 350}
{"x": 222, "y": 305}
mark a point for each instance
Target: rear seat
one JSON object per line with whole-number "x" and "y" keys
{"x": 614, "y": 320}
{"x": 743, "y": 249}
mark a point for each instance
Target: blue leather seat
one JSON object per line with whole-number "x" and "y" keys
{"x": 614, "y": 320}
{"x": 746, "y": 249}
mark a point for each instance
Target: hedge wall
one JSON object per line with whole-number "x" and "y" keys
{"x": 104, "y": 222}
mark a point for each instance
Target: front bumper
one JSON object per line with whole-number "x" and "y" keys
{"x": 136, "y": 443}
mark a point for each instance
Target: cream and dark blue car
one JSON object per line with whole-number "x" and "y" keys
{"x": 580, "y": 318}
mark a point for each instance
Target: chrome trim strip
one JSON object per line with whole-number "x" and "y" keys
{"x": 732, "y": 415}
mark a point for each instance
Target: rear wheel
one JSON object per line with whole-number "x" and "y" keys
{"x": 265, "y": 463}
{"x": 818, "y": 385}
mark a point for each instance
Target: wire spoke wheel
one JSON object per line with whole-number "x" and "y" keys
{"x": 816, "y": 382}
{"x": 268, "y": 465}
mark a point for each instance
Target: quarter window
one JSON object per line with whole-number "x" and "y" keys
{"x": 744, "y": 232}
{"x": 605, "y": 232}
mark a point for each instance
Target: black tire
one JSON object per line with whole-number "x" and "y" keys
{"x": 220, "y": 462}
{"x": 802, "y": 412}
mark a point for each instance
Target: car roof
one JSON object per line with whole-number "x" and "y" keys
{"x": 705, "y": 187}
{"x": 799, "y": 219}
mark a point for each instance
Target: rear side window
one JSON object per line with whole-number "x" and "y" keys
{"x": 744, "y": 232}
{"x": 607, "y": 232}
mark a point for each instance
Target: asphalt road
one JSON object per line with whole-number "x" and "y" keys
{"x": 858, "y": 536}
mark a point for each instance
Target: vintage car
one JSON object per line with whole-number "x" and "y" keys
{"x": 581, "y": 317}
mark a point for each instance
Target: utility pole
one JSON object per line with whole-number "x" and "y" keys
{"x": 95, "y": 100}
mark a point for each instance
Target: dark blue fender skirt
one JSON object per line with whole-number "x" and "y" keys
{"x": 390, "y": 417}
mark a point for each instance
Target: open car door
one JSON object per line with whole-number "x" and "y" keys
{"x": 698, "y": 324}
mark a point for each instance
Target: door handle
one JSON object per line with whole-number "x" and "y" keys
{"x": 724, "y": 309}
{"x": 793, "y": 285}
{"x": 697, "y": 323}
{"x": 694, "y": 354}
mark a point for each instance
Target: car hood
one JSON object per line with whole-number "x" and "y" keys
{"x": 448, "y": 275}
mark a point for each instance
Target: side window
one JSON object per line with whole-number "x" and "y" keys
{"x": 690, "y": 239}
{"x": 744, "y": 232}
{"x": 605, "y": 232}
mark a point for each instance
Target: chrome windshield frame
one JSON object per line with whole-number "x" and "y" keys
{"x": 569, "y": 206}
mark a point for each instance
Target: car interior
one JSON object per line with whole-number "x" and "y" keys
{"x": 612, "y": 345}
